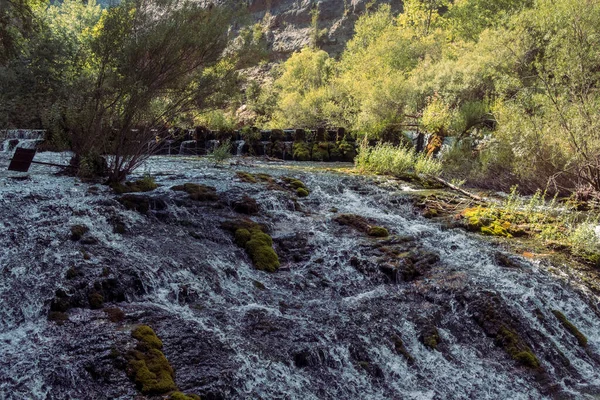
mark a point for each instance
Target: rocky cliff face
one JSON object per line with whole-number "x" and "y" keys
{"x": 289, "y": 22}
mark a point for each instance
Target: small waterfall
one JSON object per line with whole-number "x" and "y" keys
{"x": 169, "y": 143}
{"x": 239, "y": 145}
{"x": 187, "y": 147}
{"x": 23, "y": 138}
{"x": 265, "y": 143}
{"x": 288, "y": 149}
{"x": 211, "y": 145}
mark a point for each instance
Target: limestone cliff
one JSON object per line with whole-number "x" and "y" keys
{"x": 289, "y": 22}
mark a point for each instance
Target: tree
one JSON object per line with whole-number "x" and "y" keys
{"x": 149, "y": 61}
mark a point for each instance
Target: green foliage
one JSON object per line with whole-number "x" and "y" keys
{"x": 221, "y": 153}
{"x": 304, "y": 99}
{"x": 216, "y": 120}
{"x": 395, "y": 160}
{"x": 437, "y": 116}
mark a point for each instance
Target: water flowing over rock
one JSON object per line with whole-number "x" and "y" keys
{"x": 24, "y": 138}
{"x": 425, "y": 313}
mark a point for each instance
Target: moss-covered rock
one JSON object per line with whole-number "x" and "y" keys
{"x": 198, "y": 192}
{"x": 320, "y": 151}
{"x": 347, "y": 150}
{"x": 402, "y": 350}
{"x": 581, "y": 339}
{"x": 77, "y": 232}
{"x": 114, "y": 314}
{"x": 258, "y": 244}
{"x": 301, "y": 151}
{"x": 430, "y": 337}
{"x": 242, "y": 236}
{"x": 246, "y": 177}
{"x": 378, "y": 231}
{"x": 146, "y": 335}
{"x": 148, "y": 366}
{"x": 96, "y": 300}
{"x": 512, "y": 343}
{"x": 498, "y": 326}
{"x": 58, "y": 317}
{"x": 260, "y": 250}
{"x": 302, "y": 192}
{"x": 152, "y": 372}
{"x": 361, "y": 224}
{"x": 480, "y": 219}
{"x": 146, "y": 184}
{"x": 140, "y": 204}
{"x": 245, "y": 205}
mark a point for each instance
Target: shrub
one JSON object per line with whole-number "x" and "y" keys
{"x": 395, "y": 160}
{"x": 221, "y": 153}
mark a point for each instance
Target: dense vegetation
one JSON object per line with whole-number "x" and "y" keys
{"x": 515, "y": 82}
{"x": 105, "y": 81}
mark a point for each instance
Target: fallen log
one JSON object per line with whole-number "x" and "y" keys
{"x": 456, "y": 188}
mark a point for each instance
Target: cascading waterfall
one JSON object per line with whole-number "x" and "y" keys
{"x": 239, "y": 146}
{"x": 327, "y": 325}
{"x": 188, "y": 147}
{"x": 23, "y": 138}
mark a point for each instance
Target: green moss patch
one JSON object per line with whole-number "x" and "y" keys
{"x": 198, "y": 192}
{"x": 514, "y": 346}
{"x": 430, "y": 337}
{"x": 148, "y": 366}
{"x": 378, "y": 231}
{"x": 361, "y": 224}
{"x": 489, "y": 222}
{"x": 258, "y": 245}
{"x": 581, "y": 339}
{"x": 246, "y": 177}
{"x": 302, "y": 192}
{"x": 301, "y": 151}
{"x": 146, "y": 335}
{"x": 505, "y": 336}
{"x": 146, "y": 184}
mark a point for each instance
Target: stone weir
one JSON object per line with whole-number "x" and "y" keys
{"x": 288, "y": 144}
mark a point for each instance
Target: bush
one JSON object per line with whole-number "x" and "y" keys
{"x": 395, "y": 160}
{"x": 221, "y": 153}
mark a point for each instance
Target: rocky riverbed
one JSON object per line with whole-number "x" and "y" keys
{"x": 424, "y": 312}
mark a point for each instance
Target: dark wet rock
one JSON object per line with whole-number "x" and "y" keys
{"x": 77, "y": 232}
{"x": 142, "y": 204}
{"x": 402, "y": 350}
{"x": 430, "y": 336}
{"x": 198, "y": 192}
{"x": 295, "y": 247}
{"x": 509, "y": 261}
{"x": 361, "y": 224}
{"x": 245, "y": 205}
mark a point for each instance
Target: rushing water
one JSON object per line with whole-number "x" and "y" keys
{"x": 323, "y": 326}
